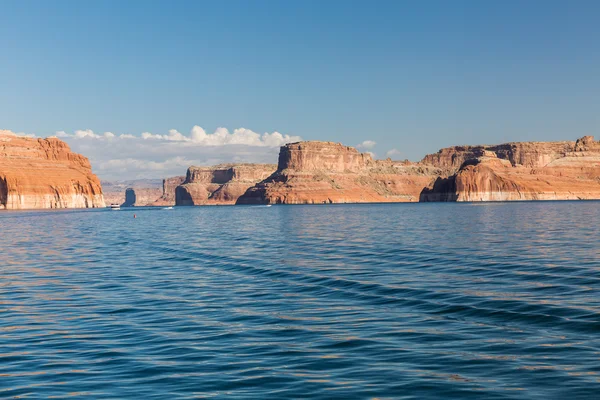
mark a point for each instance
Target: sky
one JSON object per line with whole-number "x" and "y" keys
{"x": 133, "y": 84}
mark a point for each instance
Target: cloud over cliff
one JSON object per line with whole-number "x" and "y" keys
{"x": 156, "y": 155}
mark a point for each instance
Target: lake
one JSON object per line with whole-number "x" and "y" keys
{"x": 415, "y": 301}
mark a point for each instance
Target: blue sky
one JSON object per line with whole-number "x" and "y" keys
{"x": 412, "y": 76}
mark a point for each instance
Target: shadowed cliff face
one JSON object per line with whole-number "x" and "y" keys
{"x": 169, "y": 187}
{"x": 44, "y": 173}
{"x": 443, "y": 189}
{"x": 130, "y": 198}
{"x": 3, "y": 191}
{"x": 327, "y": 172}
{"x": 221, "y": 184}
{"x": 520, "y": 171}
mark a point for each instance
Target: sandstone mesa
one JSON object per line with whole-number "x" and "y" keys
{"x": 44, "y": 173}
{"x": 327, "y": 172}
{"x": 567, "y": 170}
{"x": 221, "y": 184}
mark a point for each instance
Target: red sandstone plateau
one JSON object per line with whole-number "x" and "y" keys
{"x": 326, "y": 172}
{"x": 221, "y": 184}
{"x": 44, "y": 173}
{"x": 518, "y": 171}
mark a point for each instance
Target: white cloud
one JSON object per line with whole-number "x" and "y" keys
{"x": 222, "y": 137}
{"x": 393, "y": 153}
{"x": 198, "y": 134}
{"x": 150, "y": 155}
{"x": 87, "y": 133}
{"x": 155, "y": 155}
{"x": 132, "y": 163}
{"x": 367, "y": 144}
{"x": 22, "y": 134}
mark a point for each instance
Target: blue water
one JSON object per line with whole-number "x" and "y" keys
{"x": 422, "y": 301}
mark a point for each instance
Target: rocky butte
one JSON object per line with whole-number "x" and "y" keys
{"x": 220, "y": 184}
{"x": 326, "y": 172}
{"x": 567, "y": 170}
{"x": 142, "y": 192}
{"x": 169, "y": 186}
{"x": 44, "y": 173}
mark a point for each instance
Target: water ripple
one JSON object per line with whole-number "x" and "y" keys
{"x": 495, "y": 301}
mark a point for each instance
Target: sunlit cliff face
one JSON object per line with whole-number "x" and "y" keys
{"x": 44, "y": 173}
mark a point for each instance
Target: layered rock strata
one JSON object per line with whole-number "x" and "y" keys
{"x": 44, "y": 173}
{"x": 568, "y": 170}
{"x": 327, "y": 172}
{"x": 221, "y": 184}
{"x": 169, "y": 186}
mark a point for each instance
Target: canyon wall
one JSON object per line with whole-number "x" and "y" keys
{"x": 139, "y": 197}
{"x": 142, "y": 192}
{"x": 527, "y": 154}
{"x": 327, "y": 172}
{"x": 44, "y": 173}
{"x": 169, "y": 186}
{"x": 221, "y": 184}
{"x": 567, "y": 170}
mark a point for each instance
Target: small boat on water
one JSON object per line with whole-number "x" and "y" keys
{"x": 168, "y": 208}
{"x": 114, "y": 207}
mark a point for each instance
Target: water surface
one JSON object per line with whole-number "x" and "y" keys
{"x": 423, "y": 301}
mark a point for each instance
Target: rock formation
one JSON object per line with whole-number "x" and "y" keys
{"x": 113, "y": 193}
{"x": 169, "y": 186}
{"x": 326, "y": 172}
{"x": 142, "y": 192}
{"x": 44, "y": 173}
{"x": 139, "y": 197}
{"x": 221, "y": 184}
{"x": 518, "y": 171}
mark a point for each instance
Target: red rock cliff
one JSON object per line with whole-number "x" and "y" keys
{"x": 326, "y": 172}
{"x": 221, "y": 184}
{"x": 520, "y": 171}
{"x": 168, "y": 191}
{"x": 527, "y": 154}
{"x": 44, "y": 173}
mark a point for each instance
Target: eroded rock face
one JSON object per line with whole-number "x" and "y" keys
{"x": 44, "y": 173}
{"x": 322, "y": 156}
{"x": 136, "y": 197}
{"x": 142, "y": 192}
{"x": 168, "y": 191}
{"x": 528, "y": 154}
{"x": 326, "y": 172}
{"x": 520, "y": 171}
{"x": 221, "y": 184}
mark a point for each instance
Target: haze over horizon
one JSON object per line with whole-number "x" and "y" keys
{"x": 130, "y": 84}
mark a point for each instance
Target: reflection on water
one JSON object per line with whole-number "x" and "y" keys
{"x": 340, "y": 301}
